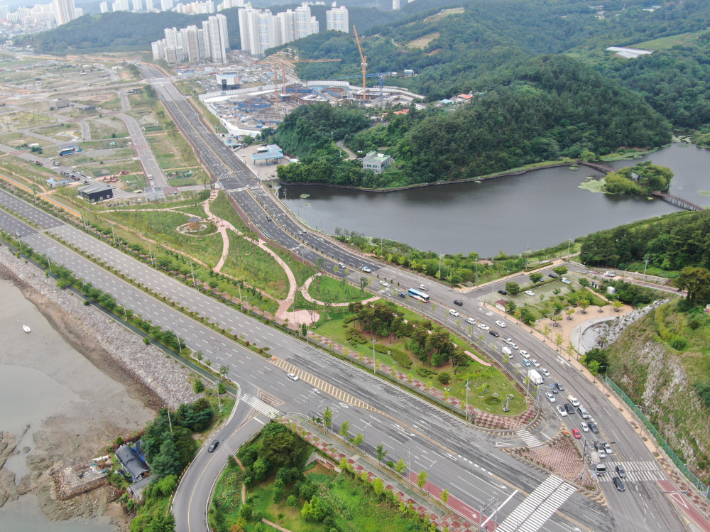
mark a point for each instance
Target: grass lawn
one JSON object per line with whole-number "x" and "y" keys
{"x": 301, "y": 271}
{"x": 88, "y": 164}
{"x": 15, "y": 165}
{"x": 195, "y": 210}
{"x": 107, "y": 127}
{"x": 324, "y": 287}
{"x": 20, "y": 139}
{"x": 105, "y": 144}
{"x": 222, "y": 208}
{"x": 485, "y": 380}
{"x": 133, "y": 181}
{"x": 666, "y": 43}
{"x": 256, "y": 267}
{"x": 172, "y": 151}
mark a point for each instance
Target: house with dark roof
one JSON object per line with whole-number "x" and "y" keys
{"x": 132, "y": 463}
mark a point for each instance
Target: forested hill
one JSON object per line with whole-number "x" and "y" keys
{"x": 120, "y": 31}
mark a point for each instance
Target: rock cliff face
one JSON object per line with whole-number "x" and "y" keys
{"x": 661, "y": 382}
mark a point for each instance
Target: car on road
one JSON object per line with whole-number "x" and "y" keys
{"x": 340, "y": 264}
{"x": 483, "y": 327}
{"x": 561, "y": 411}
{"x": 608, "y": 448}
{"x": 454, "y": 313}
{"x": 553, "y": 388}
{"x": 402, "y": 295}
{"x": 422, "y": 287}
{"x": 385, "y": 284}
{"x": 569, "y": 408}
{"x": 514, "y": 345}
{"x": 535, "y": 363}
{"x": 524, "y": 353}
{"x": 212, "y": 446}
{"x": 526, "y": 363}
{"x": 367, "y": 269}
{"x": 530, "y": 292}
{"x": 494, "y": 333}
{"x": 470, "y": 321}
{"x": 458, "y": 302}
{"x": 292, "y": 376}
{"x": 503, "y": 292}
{"x": 593, "y": 427}
{"x": 566, "y": 281}
{"x": 601, "y": 453}
{"x": 576, "y": 434}
{"x": 553, "y": 275}
{"x": 268, "y": 218}
{"x": 585, "y": 427}
{"x": 619, "y": 484}
{"x": 500, "y": 323}
{"x": 550, "y": 397}
{"x": 544, "y": 372}
{"x": 620, "y": 471}
{"x": 560, "y": 387}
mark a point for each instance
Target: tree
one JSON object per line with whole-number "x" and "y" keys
{"x": 560, "y": 270}
{"x": 167, "y": 462}
{"x": 381, "y": 453}
{"x": 445, "y": 496}
{"x": 378, "y": 485}
{"x": 344, "y": 429}
{"x": 536, "y": 277}
{"x": 358, "y": 440}
{"x": 400, "y": 466}
{"x": 558, "y": 340}
{"x": 584, "y": 305}
{"x": 617, "y": 305}
{"x": 570, "y": 311}
{"x": 161, "y": 523}
{"x": 327, "y": 416}
{"x": 546, "y": 331}
{"x": 512, "y": 288}
{"x": 364, "y": 283}
{"x": 260, "y": 468}
{"x": 422, "y": 478}
{"x": 223, "y": 370}
{"x": 696, "y": 281}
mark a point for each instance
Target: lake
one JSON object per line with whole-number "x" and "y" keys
{"x": 513, "y": 214}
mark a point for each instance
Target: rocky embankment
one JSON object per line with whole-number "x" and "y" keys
{"x": 610, "y": 331}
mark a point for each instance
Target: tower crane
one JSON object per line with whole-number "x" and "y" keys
{"x": 363, "y": 64}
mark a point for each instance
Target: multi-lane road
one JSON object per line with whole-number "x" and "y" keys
{"x": 467, "y": 461}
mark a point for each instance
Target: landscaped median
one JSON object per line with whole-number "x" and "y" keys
{"x": 296, "y": 477}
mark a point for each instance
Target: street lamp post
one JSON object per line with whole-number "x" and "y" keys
{"x": 428, "y": 482}
{"x": 364, "y": 431}
{"x": 374, "y": 359}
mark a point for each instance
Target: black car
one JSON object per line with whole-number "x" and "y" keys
{"x": 494, "y": 333}
{"x": 503, "y": 292}
{"x": 553, "y": 275}
{"x": 402, "y": 295}
{"x": 559, "y": 386}
{"x": 619, "y": 484}
{"x": 620, "y": 471}
{"x": 569, "y": 408}
{"x": 593, "y": 427}
{"x": 212, "y": 446}
{"x": 458, "y": 302}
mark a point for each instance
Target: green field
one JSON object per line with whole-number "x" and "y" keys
{"x": 256, "y": 267}
{"x": 325, "y": 288}
{"x": 665, "y": 43}
{"x": 107, "y": 127}
{"x": 222, "y": 208}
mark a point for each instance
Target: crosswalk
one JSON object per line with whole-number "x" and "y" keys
{"x": 261, "y": 406}
{"x": 538, "y": 507}
{"x": 641, "y": 471}
{"x": 530, "y": 440}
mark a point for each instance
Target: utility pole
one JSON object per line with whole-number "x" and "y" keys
{"x": 114, "y": 235}
{"x": 466, "y": 407}
{"x": 192, "y": 270}
{"x": 374, "y": 359}
{"x": 219, "y": 402}
{"x": 644, "y": 270}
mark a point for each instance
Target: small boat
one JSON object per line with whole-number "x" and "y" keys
{"x": 26, "y": 328}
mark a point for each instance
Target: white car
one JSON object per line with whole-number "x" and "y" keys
{"x": 514, "y": 345}
{"x": 544, "y": 372}
{"x": 561, "y": 411}
{"x": 585, "y": 427}
{"x": 500, "y": 323}
{"x": 366, "y": 269}
{"x": 535, "y": 363}
{"x": 550, "y": 397}
{"x": 524, "y": 353}
{"x": 601, "y": 453}
{"x": 530, "y": 292}
{"x": 454, "y": 313}
{"x": 566, "y": 281}
{"x": 293, "y": 376}
{"x": 384, "y": 283}
{"x": 471, "y": 321}
{"x": 422, "y": 287}
{"x": 483, "y": 327}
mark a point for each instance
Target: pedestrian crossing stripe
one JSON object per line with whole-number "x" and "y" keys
{"x": 261, "y": 406}
{"x": 530, "y": 440}
{"x": 531, "y": 514}
{"x": 635, "y": 476}
{"x": 328, "y": 388}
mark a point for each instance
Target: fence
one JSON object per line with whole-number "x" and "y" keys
{"x": 659, "y": 439}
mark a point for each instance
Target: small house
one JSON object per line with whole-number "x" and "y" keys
{"x": 377, "y": 162}
{"x": 96, "y": 192}
{"x": 500, "y": 304}
{"x": 131, "y": 462}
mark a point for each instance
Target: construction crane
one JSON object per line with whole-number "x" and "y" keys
{"x": 363, "y": 64}
{"x": 380, "y": 75}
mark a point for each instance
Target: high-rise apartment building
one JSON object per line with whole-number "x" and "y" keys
{"x": 104, "y": 7}
{"x": 337, "y": 19}
{"x": 137, "y": 6}
{"x": 306, "y": 24}
{"x": 217, "y": 38}
{"x": 260, "y": 29}
{"x": 395, "y": 5}
{"x": 166, "y": 5}
{"x": 64, "y": 11}
{"x": 120, "y": 5}
{"x": 149, "y": 5}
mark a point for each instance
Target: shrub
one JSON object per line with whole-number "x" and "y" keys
{"x": 703, "y": 390}
{"x": 678, "y": 343}
{"x": 198, "y": 386}
{"x": 444, "y": 378}
{"x": 492, "y": 400}
{"x": 245, "y": 512}
{"x": 119, "y": 441}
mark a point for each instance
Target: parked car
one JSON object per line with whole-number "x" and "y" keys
{"x": 585, "y": 427}
{"x": 500, "y": 323}
{"x": 530, "y": 292}
{"x": 503, "y": 292}
{"x": 553, "y": 275}
{"x": 620, "y": 471}
{"x": 454, "y": 313}
{"x": 458, "y": 302}
{"x": 566, "y": 281}
{"x": 544, "y": 372}
{"x": 212, "y": 446}
{"x": 292, "y": 376}
{"x": 593, "y": 427}
{"x": 494, "y": 333}
{"x": 619, "y": 484}
{"x": 550, "y": 397}
{"x": 526, "y": 363}
{"x": 561, "y": 411}
{"x": 471, "y": 321}
{"x": 576, "y": 434}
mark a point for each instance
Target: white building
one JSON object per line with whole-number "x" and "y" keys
{"x": 166, "y": 5}
{"x": 305, "y": 23}
{"x": 104, "y": 7}
{"x": 120, "y": 5}
{"x": 137, "y": 6}
{"x": 260, "y": 29}
{"x": 64, "y": 11}
{"x": 395, "y": 5}
{"x": 149, "y": 5}
{"x": 217, "y": 39}
{"x": 337, "y": 19}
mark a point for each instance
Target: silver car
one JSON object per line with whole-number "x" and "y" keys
{"x": 550, "y": 397}
{"x": 585, "y": 427}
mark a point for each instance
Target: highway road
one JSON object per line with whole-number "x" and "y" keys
{"x": 460, "y": 458}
